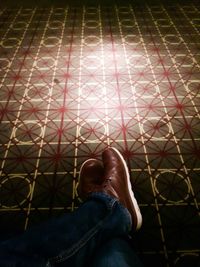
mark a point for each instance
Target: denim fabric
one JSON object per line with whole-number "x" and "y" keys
{"x": 70, "y": 240}
{"x": 116, "y": 252}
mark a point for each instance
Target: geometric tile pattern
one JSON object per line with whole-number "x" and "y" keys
{"x": 74, "y": 80}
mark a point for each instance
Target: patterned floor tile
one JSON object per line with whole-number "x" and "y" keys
{"x": 77, "y": 79}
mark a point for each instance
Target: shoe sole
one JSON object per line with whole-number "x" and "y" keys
{"x": 133, "y": 199}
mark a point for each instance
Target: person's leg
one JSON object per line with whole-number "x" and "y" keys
{"x": 116, "y": 252}
{"x": 72, "y": 237}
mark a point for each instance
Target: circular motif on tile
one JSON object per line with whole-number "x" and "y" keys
{"x": 14, "y": 191}
{"x": 196, "y": 22}
{"x": 184, "y": 60}
{"x": 127, "y": 22}
{"x": 171, "y": 186}
{"x": 172, "y": 39}
{"x": 155, "y": 128}
{"x": 51, "y": 41}
{"x": 92, "y": 40}
{"x": 4, "y": 62}
{"x": 92, "y": 130}
{"x": 38, "y": 92}
{"x": 194, "y": 87}
{"x": 21, "y": 25}
{"x": 55, "y": 24}
{"x": 10, "y": 42}
{"x": 187, "y": 259}
{"x": 132, "y": 39}
{"x": 45, "y": 63}
{"x": 163, "y": 22}
{"x": 91, "y": 62}
{"x": 91, "y": 24}
{"x": 27, "y": 132}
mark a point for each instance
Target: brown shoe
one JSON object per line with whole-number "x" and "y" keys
{"x": 117, "y": 183}
{"x": 91, "y": 177}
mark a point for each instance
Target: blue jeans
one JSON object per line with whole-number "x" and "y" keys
{"x": 93, "y": 235}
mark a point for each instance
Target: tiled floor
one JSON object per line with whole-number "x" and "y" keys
{"x": 75, "y": 80}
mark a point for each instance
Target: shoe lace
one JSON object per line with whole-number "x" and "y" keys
{"x": 107, "y": 181}
{"x": 99, "y": 187}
